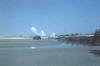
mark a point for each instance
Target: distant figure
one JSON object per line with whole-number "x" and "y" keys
{"x": 37, "y": 38}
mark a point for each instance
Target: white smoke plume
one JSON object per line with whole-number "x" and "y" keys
{"x": 34, "y": 30}
{"x": 53, "y": 34}
{"x": 42, "y": 33}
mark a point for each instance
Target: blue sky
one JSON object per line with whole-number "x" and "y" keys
{"x": 59, "y": 16}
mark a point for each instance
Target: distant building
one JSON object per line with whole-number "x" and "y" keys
{"x": 44, "y": 37}
{"x": 37, "y": 37}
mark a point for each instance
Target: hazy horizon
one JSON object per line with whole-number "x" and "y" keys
{"x": 48, "y": 16}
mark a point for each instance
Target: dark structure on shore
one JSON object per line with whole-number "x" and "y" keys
{"x": 36, "y": 38}
{"x": 96, "y": 38}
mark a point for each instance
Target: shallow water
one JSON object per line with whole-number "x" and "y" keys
{"x": 46, "y": 53}
{"x": 62, "y": 45}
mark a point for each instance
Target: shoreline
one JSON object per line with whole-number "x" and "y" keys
{"x": 4, "y": 38}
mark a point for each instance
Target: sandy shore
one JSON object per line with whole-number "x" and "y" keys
{"x": 2, "y": 38}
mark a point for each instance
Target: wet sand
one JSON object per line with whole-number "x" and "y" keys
{"x": 69, "y": 56}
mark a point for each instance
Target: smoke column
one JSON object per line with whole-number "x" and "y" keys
{"x": 42, "y": 33}
{"x": 34, "y": 30}
{"x": 53, "y": 34}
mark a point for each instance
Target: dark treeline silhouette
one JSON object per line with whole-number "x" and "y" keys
{"x": 96, "y": 38}
{"x": 77, "y": 40}
{"x": 91, "y": 40}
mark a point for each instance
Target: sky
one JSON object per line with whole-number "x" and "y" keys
{"x": 59, "y": 16}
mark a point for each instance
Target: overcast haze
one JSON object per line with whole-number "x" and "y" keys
{"x": 59, "y": 16}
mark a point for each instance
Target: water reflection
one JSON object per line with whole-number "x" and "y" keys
{"x": 95, "y": 52}
{"x": 63, "y": 45}
{"x": 78, "y": 42}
